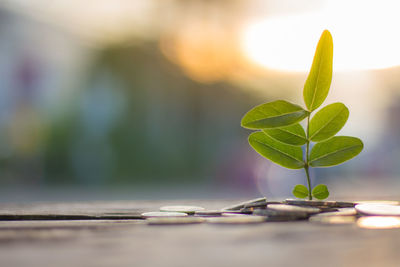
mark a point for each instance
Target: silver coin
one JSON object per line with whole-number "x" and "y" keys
{"x": 246, "y": 210}
{"x": 174, "y": 220}
{"x": 233, "y": 214}
{"x": 243, "y": 204}
{"x": 293, "y": 209}
{"x": 250, "y": 208}
{"x": 277, "y": 216}
{"x": 207, "y": 213}
{"x": 261, "y": 205}
{"x": 299, "y": 202}
{"x": 163, "y": 214}
{"x": 387, "y": 202}
{"x": 320, "y": 204}
{"x": 344, "y": 204}
{"x": 256, "y": 205}
{"x": 379, "y": 222}
{"x": 333, "y": 219}
{"x": 339, "y": 212}
{"x": 325, "y": 209}
{"x": 244, "y": 219}
{"x": 182, "y": 208}
{"x": 378, "y": 209}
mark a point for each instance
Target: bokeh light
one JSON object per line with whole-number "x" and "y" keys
{"x": 363, "y": 32}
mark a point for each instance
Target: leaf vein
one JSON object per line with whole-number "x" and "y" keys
{"x": 295, "y": 134}
{"x": 320, "y": 129}
{"x": 336, "y": 151}
{"x": 316, "y": 82}
{"x": 277, "y": 116}
{"x": 288, "y": 155}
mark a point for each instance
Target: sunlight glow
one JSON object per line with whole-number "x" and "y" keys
{"x": 364, "y": 35}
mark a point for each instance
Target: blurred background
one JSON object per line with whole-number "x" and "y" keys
{"x": 133, "y": 99}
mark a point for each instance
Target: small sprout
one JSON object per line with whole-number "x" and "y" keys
{"x": 300, "y": 191}
{"x": 280, "y": 137}
{"x": 320, "y": 191}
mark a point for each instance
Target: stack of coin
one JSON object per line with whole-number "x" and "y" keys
{"x": 378, "y": 215}
{"x": 182, "y": 208}
{"x": 284, "y": 212}
{"x": 367, "y": 214}
{"x": 250, "y": 203}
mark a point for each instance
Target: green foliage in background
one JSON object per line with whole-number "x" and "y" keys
{"x": 281, "y": 137}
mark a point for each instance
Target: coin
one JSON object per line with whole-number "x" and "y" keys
{"x": 249, "y": 208}
{"x": 387, "y": 202}
{"x": 273, "y": 215}
{"x": 333, "y": 219}
{"x": 324, "y": 209}
{"x": 244, "y": 219}
{"x": 260, "y": 205}
{"x": 232, "y": 214}
{"x": 378, "y": 222}
{"x": 246, "y": 210}
{"x": 339, "y": 212}
{"x": 163, "y": 214}
{"x": 206, "y": 213}
{"x": 344, "y": 204}
{"x": 243, "y": 204}
{"x": 299, "y": 202}
{"x": 293, "y": 209}
{"x": 378, "y": 209}
{"x": 318, "y": 203}
{"x": 174, "y": 220}
{"x": 182, "y": 208}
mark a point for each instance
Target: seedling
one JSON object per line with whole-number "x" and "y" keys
{"x": 282, "y": 139}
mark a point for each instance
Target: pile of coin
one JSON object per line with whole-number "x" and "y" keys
{"x": 365, "y": 214}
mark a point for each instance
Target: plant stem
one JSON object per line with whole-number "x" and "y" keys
{"x": 308, "y": 182}
{"x": 306, "y": 166}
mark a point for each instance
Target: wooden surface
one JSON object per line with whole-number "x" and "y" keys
{"x": 28, "y": 240}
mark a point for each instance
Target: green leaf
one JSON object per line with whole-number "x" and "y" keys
{"x": 292, "y": 134}
{"x": 319, "y": 80}
{"x": 285, "y": 155}
{"x": 273, "y": 114}
{"x": 320, "y": 192}
{"x": 328, "y": 121}
{"x": 335, "y": 151}
{"x": 300, "y": 191}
